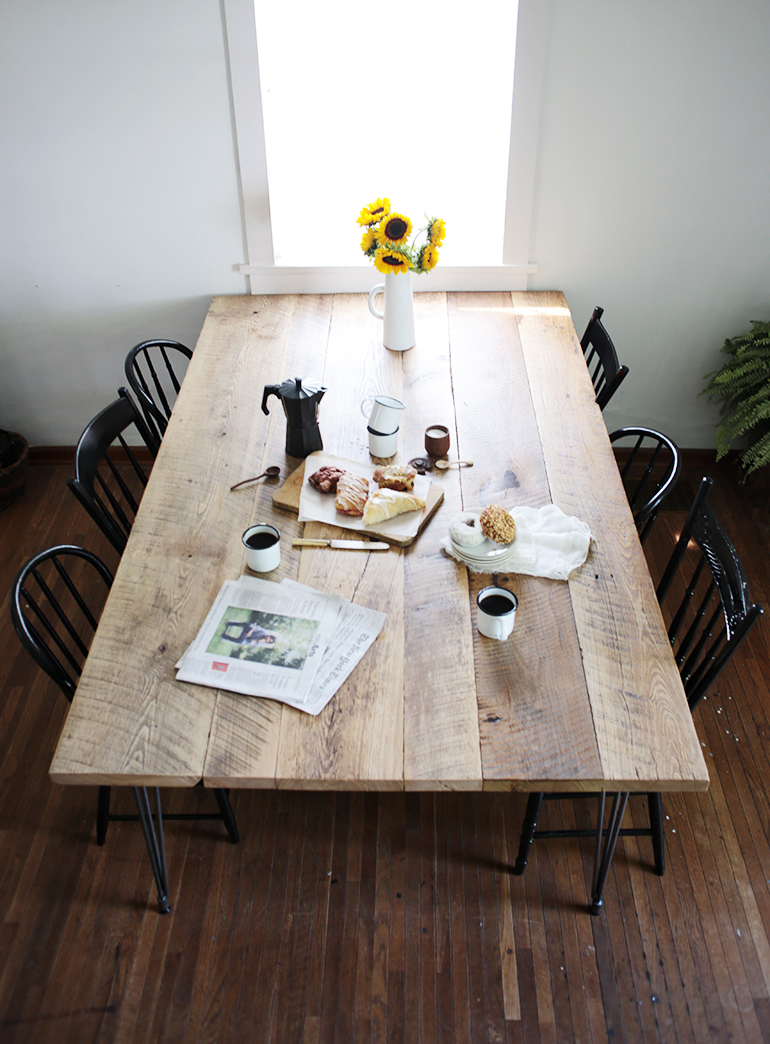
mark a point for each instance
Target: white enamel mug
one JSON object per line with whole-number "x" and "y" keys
{"x": 496, "y": 612}
{"x": 384, "y": 415}
{"x": 382, "y": 445}
{"x": 263, "y": 547}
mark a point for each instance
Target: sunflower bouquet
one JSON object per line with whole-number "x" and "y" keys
{"x": 386, "y": 239}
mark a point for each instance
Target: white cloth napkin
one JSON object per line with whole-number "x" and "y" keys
{"x": 548, "y": 543}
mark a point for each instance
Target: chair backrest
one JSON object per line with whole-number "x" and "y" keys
{"x": 649, "y": 467}
{"x": 109, "y": 482}
{"x": 155, "y": 370}
{"x": 55, "y": 602}
{"x": 601, "y": 359}
{"x": 705, "y": 594}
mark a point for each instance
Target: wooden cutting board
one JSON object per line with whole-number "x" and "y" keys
{"x": 287, "y": 499}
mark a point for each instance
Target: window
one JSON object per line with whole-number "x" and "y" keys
{"x": 324, "y": 104}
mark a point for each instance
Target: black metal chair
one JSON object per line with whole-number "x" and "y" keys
{"x": 705, "y": 594}
{"x": 55, "y": 603}
{"x": 154, "y": 370}
{"x": 649, "y": 471}
{"x": 109, "y": 478}
{"x": 601, "y": 359}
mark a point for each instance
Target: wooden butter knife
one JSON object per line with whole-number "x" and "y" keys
{"x": 343, "y": 545}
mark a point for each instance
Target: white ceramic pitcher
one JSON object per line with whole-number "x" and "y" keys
{"x": 397, "y": 311}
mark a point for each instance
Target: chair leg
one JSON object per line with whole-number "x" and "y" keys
{"x": 528, "y": 827}
{"x": 223, "y": 801}
{"x": 656, "y": 826}
{"x": 102, "y": 814}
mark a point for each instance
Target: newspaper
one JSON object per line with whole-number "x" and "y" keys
{"x": 286, "y": 642}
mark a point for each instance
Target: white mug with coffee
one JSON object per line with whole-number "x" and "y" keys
{"x": 384, "y": 415}
{"x": 263, "y": 548}
{"x": 496, "y": 612}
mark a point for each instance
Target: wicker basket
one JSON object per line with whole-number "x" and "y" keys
{"x": 14, "y": 454}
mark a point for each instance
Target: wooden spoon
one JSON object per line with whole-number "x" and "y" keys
{"x": 442, "y": 465}
{"x": 272, "y": 472}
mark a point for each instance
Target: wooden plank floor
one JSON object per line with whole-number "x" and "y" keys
{"x": 374, "y": 917}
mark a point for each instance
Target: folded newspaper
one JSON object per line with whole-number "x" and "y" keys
{"x": 284, "y": 641}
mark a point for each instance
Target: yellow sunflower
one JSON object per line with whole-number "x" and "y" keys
{"x": 437, "y": 232}
{"x": 368, "y": 239}
{"x": 396, "y": 228}
{"x": 388, "y": 260}
{"x": 428, "y": 258}
{"x": 374, "y": 212}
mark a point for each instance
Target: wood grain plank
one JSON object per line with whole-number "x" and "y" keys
{"x": 357, "y": 741}
{"x": 534, "y": 720}
{"x": 643, "y": 726}
{"x": 441, "y": 733}
{"x": 243, "y": 745}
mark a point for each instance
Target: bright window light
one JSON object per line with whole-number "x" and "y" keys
{"x": 411, "y": 101}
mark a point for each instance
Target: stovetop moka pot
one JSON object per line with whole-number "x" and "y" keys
{"x": 300, "y": 404}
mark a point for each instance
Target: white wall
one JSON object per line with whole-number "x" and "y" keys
{"x": 121, "y": 216}
{"x": 653, "y": 190}
{"x": 118, "y": 193}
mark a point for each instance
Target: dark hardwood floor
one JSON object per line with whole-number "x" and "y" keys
{"x": 382, "y": 917}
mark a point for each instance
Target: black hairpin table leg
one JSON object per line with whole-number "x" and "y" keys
{"x": 603, "y": 856}
{"x": 156, "y": 846}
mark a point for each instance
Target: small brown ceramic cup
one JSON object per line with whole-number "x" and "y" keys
{"x": 437, "y": 440}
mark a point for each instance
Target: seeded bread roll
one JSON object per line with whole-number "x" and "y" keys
{"x": 497, "y": 524}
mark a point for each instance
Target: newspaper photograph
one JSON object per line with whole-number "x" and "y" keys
{"x": 262, "y": 639}
{"x": 286, "y": 642}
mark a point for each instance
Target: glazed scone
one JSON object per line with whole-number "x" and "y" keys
{"x": 352, "y": 491}
{"x": 386, "y": 503}
{"x": 395, "y": 476}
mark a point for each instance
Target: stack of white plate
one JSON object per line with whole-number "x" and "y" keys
{"x": 485, "y": 557}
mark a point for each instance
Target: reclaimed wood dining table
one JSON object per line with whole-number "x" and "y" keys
{"x": 584, "y": 695}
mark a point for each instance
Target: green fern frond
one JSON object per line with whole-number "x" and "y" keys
{"x": 742, "y": 388}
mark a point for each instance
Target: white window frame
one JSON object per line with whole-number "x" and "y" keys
{"x": 265, "y": 277}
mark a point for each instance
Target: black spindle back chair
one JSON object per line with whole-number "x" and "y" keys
{"x": 705, "y": 595}
{"x": 155, "y": 370}
{"x": 109, "y": 477}
{"x": 601, "y": 359}
{"x": 649, "y": 467}
{"x": 55, "y": 602}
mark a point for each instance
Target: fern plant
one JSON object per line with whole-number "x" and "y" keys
{"x": 742, "y": 386}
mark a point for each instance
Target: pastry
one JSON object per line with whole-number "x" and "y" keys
{"x": 465, "y": 530}
{"x": 352, "y": 491}
{"x": 386, "y": 503}
{"x": 325, "y": 479}
{"x": 497, "y": 524}
{"x": 395, "y": 476}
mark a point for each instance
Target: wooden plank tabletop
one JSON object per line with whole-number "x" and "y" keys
{"x": 584, "y": 694}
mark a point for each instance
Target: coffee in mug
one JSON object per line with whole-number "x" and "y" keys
{"x": 263, "y": 548}
{"x": 496, "y": 612}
